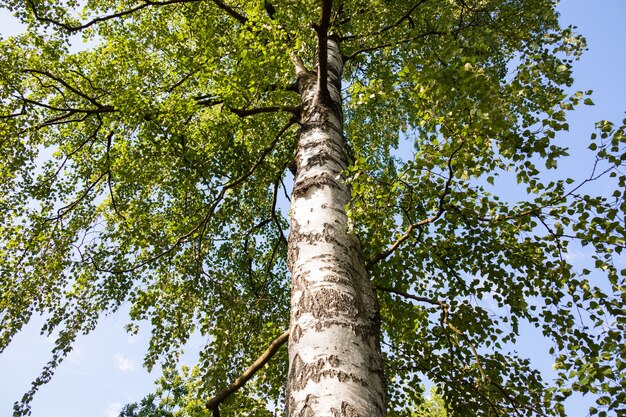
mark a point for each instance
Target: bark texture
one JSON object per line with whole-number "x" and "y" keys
{"x": 335, "y": 365}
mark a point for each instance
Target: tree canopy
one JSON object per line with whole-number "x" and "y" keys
{"x": 150, "y": 169}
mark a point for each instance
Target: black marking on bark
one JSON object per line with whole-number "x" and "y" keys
{"x": 322, "y": 368}
{"x": 307, "y": 82}
{"x": 296, "y": 333}
{"x": 299, "y": 281}
{"x": 333, "y": 360}
{"x": 313, "y": 238}
{"x": 334, "y": 278}
{"x": 338, "y": 209}
{"x": 303, "y": 186}
{"x": 327, "y": 303}
{"x": 307, "y": 410}
{"x": 322, "y": 158}
{"x": 346, "y": 411}
{"x": 361, "y": 329}
{"x": 321, "y": 125}
{"x": 336, "y": 147}
{"x": 292, "y": 244}
{"x": 327, "y": 235}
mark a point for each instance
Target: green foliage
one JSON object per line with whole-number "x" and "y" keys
{"x": 179, "y": 394}
{"x": 433, "y": 406}
{"x": 144, "y": 170}
{"x": 145, "y": 408}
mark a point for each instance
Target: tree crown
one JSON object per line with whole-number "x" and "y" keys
{"x": 147, "y": 170}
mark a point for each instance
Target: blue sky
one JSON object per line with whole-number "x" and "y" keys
{"x": 105, "y": 369}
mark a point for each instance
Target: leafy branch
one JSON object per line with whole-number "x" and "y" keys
{"x": 210, "y": 101}
{"x": 200, "y": 228}
{"x": 145, "y": 3}
{"x": 420, "y": 224}
{"x": 445, "y": 315}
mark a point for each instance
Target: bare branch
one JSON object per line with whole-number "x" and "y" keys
{"x": 110, "y": 175}
{"x": 271, "y": 109}
{"x": 411, "y": 296}
{"x": 214, "y": 403}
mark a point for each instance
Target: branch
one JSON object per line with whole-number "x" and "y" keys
{"x": 384, "y": 254}
{"x": 110, "y": 175}
{"x": 200, "y": 227}
{"x": 208, "y": 100}
{"x": 264, "y": 153}
{"x": 301, "y": 69}
{"x": 387, "y": 45}
{"x": 50, "y": 179}
{"x": 69, "y": 87}
{"x": 269, "y": 9}
{"x": 282, "y": 238}
{"x": 419, "y": 225}
{"x": 538, "y": 209}
{"x": 63, "y": 119}
{"x": 322, "y": 58}
{"x": 211, "y": 101}
{"x": 269, "y": 109}
{"x": 214, "y": 403}
{"x": 406, "y": 16}
{"x": 443, "y": 378}
{"x": 445, "y": 313}
{"x": 240, "y": 18}
{"x": 274, "y": 216}
{"x": 67, "y": 208}
{"x": 12, "y": 115}
{"x": 92, "y": 22}
{"x": 483, "y": 375}
{"x": 411, "y": 296}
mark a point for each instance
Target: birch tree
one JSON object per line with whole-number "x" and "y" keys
{"x": 151, "y": 170}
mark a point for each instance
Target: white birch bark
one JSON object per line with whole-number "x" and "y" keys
{"x": 335, "y": 365}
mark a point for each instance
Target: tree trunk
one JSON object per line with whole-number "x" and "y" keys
{"x": 335, "y": 364}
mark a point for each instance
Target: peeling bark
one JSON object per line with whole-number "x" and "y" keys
{"x": 335, "y": 364}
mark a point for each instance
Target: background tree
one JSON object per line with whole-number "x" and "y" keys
{"x": 146, "y": 408}
{"x": 148, "y": 170}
